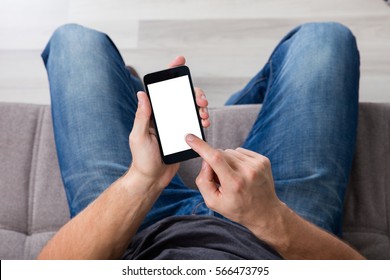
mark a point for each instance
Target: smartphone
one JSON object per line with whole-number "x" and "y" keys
{"x": 175, "y": 113}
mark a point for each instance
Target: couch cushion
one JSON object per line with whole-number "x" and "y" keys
{"x": 32, "y": 204}
{"x": 367, "y": 208}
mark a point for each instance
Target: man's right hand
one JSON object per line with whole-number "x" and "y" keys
{"x": 238, "y": 184}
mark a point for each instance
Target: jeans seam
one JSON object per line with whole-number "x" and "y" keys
{"x": 250, "y": 89}
{"x": 271, "y": 72}
{"x": 196, "y": 208}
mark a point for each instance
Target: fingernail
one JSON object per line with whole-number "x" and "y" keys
{"x": 190, "y": 137}
{"x": 203, "y": 97}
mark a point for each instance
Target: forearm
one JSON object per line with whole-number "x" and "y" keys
{"x": 295, "y": 238}
{"x": 104, "y": 229}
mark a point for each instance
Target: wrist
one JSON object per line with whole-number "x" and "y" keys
{"x": 143, "y": 182}
{"x": 274, "y": 228}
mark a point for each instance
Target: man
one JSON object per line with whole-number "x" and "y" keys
{"x": 244, "y": 208}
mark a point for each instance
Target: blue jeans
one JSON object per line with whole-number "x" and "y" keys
{"x": 306, "y": 127}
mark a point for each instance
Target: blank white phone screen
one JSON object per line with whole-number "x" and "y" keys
{"x": 175, "y": 113}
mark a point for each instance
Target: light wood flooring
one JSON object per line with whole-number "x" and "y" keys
{"x": 225, "y": 41}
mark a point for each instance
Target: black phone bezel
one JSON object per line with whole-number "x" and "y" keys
{"x": 164, "y": 75}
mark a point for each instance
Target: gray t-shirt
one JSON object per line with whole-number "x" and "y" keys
{"x": 197, "y": 237}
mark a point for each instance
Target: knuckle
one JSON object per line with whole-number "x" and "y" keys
{"x": 263, "y": 163}
{"x": 217, "y": 157}
{"x": 267, "y": 164}
{"x": 199, "y": 180}
{"x": 266, "y": 161}
{"x": 252, "y": 174}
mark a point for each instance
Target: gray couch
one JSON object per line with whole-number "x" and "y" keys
{"x": 33, "y": 204}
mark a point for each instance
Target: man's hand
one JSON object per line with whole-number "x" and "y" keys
{"x": 238, "y": 184}
{"x": 147, "y": 163}
{"x": 122, "y": 207}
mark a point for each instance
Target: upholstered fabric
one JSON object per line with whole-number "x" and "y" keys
{"x": 33, "y": 203}
{"x": 367, "y": 207}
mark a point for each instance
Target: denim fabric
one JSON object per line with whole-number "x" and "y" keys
{"x": 308, "y": 122}
{"x": 307, "y": 125}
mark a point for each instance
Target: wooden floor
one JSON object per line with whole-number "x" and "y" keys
{"x": 225, "y": 41}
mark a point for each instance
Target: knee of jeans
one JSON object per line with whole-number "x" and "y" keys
{"x": 329, "y": 33}
{"x": 327, "y": 51}
{"x": 68, "y": 38}
{"x": 331, "y": 41}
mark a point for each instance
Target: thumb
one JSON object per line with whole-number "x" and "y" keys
{"x": 206, "y": 185}
{"x": 142, "y": 116}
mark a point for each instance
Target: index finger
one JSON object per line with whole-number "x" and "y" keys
{"x": 212, "y": 156}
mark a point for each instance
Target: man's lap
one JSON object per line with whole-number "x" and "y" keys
{"x": 305, "y": 129}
